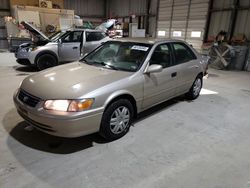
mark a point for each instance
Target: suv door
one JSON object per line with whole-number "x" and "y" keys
{"x": 69, "y": 49}
{"x": 93, "y": 39}
{"x": 159, "y": 87}
{"x": 185, "y": 58}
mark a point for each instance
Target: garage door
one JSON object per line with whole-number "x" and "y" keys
{"x": 183, "y": 19}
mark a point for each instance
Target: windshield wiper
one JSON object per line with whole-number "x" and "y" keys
{"x": 100, "y": 63}
{"x": 107, "y": 65}
{"x": 87, "y": 62}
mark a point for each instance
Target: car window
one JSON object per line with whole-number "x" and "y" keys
{"x": 75, "y": 36}
{"x": 94, "y": 36}
{"x": 161, "y": 56}
{"x": 182, "y": 53}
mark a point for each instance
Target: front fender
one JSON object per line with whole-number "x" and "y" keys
{"x": 115, "y": 95}
{"x": 49, "y": 49}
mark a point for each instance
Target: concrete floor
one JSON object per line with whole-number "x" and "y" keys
{"x": 179, "y": 144}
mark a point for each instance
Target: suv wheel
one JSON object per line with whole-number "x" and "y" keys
{"x": 117, "y": 119}
{"x": 194, "y": 91}
{"x": 46, "y": 61}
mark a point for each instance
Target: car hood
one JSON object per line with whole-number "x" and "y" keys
{"x": 34, "y": 31}
{"x": 70, "y": 81}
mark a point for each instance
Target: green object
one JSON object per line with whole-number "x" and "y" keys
{"x": 88, "y": 25}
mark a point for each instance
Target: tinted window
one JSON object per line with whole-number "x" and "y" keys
{"x": 94, "y": 36}
{"x": 161, "y": 56}
{"x": 182, "y": 53}
{"x": 75, "y": 36}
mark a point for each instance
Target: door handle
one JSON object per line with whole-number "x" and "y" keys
{"x": 174, "y": 74}
{"x": 74, "y": 48}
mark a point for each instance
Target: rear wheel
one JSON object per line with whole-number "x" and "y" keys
{"x": 46, "y": 61}
{"x": 117, "y": 119}
{"x": 194, "y": 91}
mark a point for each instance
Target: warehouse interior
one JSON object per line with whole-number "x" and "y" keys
{"x": 174, "y": 143}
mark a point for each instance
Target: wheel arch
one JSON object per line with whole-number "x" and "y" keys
{"x": 200, "y": 74}
{"x": 46, "y": 52}
{"x": 122, "y": 95}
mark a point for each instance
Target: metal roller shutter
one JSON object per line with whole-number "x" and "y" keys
{"x": 183, "y": 19}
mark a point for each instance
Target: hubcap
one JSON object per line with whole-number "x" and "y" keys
{"x": 119, "y": 120}
{"x": 197, "y": 87}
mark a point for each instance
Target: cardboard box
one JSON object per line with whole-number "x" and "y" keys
{"x": 45, "y": 4}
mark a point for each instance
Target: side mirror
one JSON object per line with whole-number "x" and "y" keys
{"x": 60, "y": 41}
{"x": 154, "y": 69}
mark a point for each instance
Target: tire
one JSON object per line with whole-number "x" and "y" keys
{"x": 46, "y": 61}
{"x": 194, "y": 91}
{"x": 122, "y": 113}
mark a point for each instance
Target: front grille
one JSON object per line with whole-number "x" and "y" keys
{"x": 27, "y": 98}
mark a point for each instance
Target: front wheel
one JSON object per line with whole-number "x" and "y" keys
{"x": 194, "y": 91}
{"x": 46, "y": 61}
{"x": 116, "y": 119}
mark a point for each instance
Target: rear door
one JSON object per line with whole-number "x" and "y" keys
{"x": 159, "y": 87}
{"x": 93, "y": 39}
{"x": 187, "y": 62}
{"x": 70, "y": 47}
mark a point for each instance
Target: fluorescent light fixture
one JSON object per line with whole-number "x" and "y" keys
{"x": 161, "y": 33}
{"x": 177, "y": 33}
{"x": 196, "y": 34}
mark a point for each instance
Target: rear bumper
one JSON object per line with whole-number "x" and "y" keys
{"x": 62, "y": 126}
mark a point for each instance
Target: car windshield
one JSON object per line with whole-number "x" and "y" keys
{"x": 126, "y": 56}
{"x": 57, "y": 35}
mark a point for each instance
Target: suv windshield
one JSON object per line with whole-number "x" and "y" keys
{"x": 57, "y": 35}
{"x": 127, "y": 56}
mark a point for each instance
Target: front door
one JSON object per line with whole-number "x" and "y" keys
{"x": 159, "y": 87}
{"x": 93, "y": 39}
{"x": 70, "y": 46}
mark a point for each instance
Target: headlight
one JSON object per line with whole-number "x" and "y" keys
{"x": 68, "y": 105}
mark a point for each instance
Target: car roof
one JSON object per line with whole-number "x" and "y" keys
{"x": 148, "y": 40}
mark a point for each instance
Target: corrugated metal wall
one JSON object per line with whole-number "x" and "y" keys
{"x": 221, "y": 17}
{"x": 4, "y": 11}
{"x": 87, "y": 8}
{"x": 122, "y": 8}
{"x": 180, "y": 18}
{"x": 197, "y": 22}
{"x": 220, "y": 21}
{"x": 243, "y": 19}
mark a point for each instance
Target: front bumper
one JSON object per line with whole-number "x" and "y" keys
{"x": 23, "y": 61}
{"x": 58, "y": 124}
{"x": 24, "y": 57}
